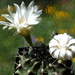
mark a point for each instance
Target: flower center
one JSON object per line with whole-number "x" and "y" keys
{"x": 62, "y": 44}
{"x": 21, "y": 21}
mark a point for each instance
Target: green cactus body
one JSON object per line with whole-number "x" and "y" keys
{"x": 37, "y": 61}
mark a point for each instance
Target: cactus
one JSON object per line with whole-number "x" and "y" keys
{"x": 38, "y": 61}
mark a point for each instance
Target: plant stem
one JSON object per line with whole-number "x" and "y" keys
{"x": 28, "y": 39}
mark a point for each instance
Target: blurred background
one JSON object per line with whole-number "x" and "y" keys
{"x": 58, "y": 15}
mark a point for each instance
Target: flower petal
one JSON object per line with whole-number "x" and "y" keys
{"x": 23, "y": 9}
{"x": 72, "y": 41}
{"x": 4, "y": 23}
{"x": 62, "y": 53}
{"x": 17, "y": 10}
{"x": 69, "y": 54}
{"x": 53, "y": 42}
{"x": 10, "y": 12}
{"x": 30, "y": 9}
{"x": 4, "y": 27}
{"x": 29, "y": 13}
{"x": 8, "y": 17}
{"x": 16, "y": 18}
{"x": 72, "y": 48}
{"x": 51, "y": 50}
{"x": 35, "y": 15}
{"x": 56, "y": 54}
{"x": 38, "y": 13}
{"x": 33, "y": 22}
{"x": 30, "y": 5}
{"x": 35, "y": 8}
{"x": 10, "y": 28}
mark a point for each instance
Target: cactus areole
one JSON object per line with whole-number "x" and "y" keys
{"x": 37, "y": 61}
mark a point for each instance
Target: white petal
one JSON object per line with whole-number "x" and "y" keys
{"x": 17, "y": 10}
{"x": 69, "y": 54}
{"x": 30, "y": 9}
{"x": 53, "y": 42}
{"x": 30, "y": 28}
{"x": 16, "y": 7}
{"x": 30, "y": 5}
{"x": 16, "y": 18}
{"x": 51, "y": 50}
{"x": 56, "y": 54}
{"x": 35, "y": 15}
{"x": 23, "y": 9}
{"x": 18, "y": 30}
{"x": 72, "y": 41}
{"x": 66, "y": 37}
{"x": 10, "y": 12}
{"x": 4, "y": 27}
{"x": 29, "y": 13}
{"x": 38, "y": 13}
{"x": 69, "y": 37}
{"x": 23, "y": 5}
{"x": 58, "y": 37}
{"x": 62, "y": 37}
{"x": 9, "y": 28}
{"x": 62, "y": 53}
{"x": 4, "y": 23}
{"x": 72, "y": 48}
{"x": 8, "y": 17}
{"x": 35, "y": 8}
{"x": 13, "y": 25}
{"x": 33, "y": 22}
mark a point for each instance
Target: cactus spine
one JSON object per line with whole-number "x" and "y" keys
{"x": 37, "y": 61}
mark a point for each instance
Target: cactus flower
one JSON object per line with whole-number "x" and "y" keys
{"x": 62, "y": 46}
{"x": 23, "y": 19}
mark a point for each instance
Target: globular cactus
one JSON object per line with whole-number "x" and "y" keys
{"x": 38, "y": 61}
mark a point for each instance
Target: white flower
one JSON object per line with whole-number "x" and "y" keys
{"x": 23, "y": 19}
{"x": 62, "y": 46}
